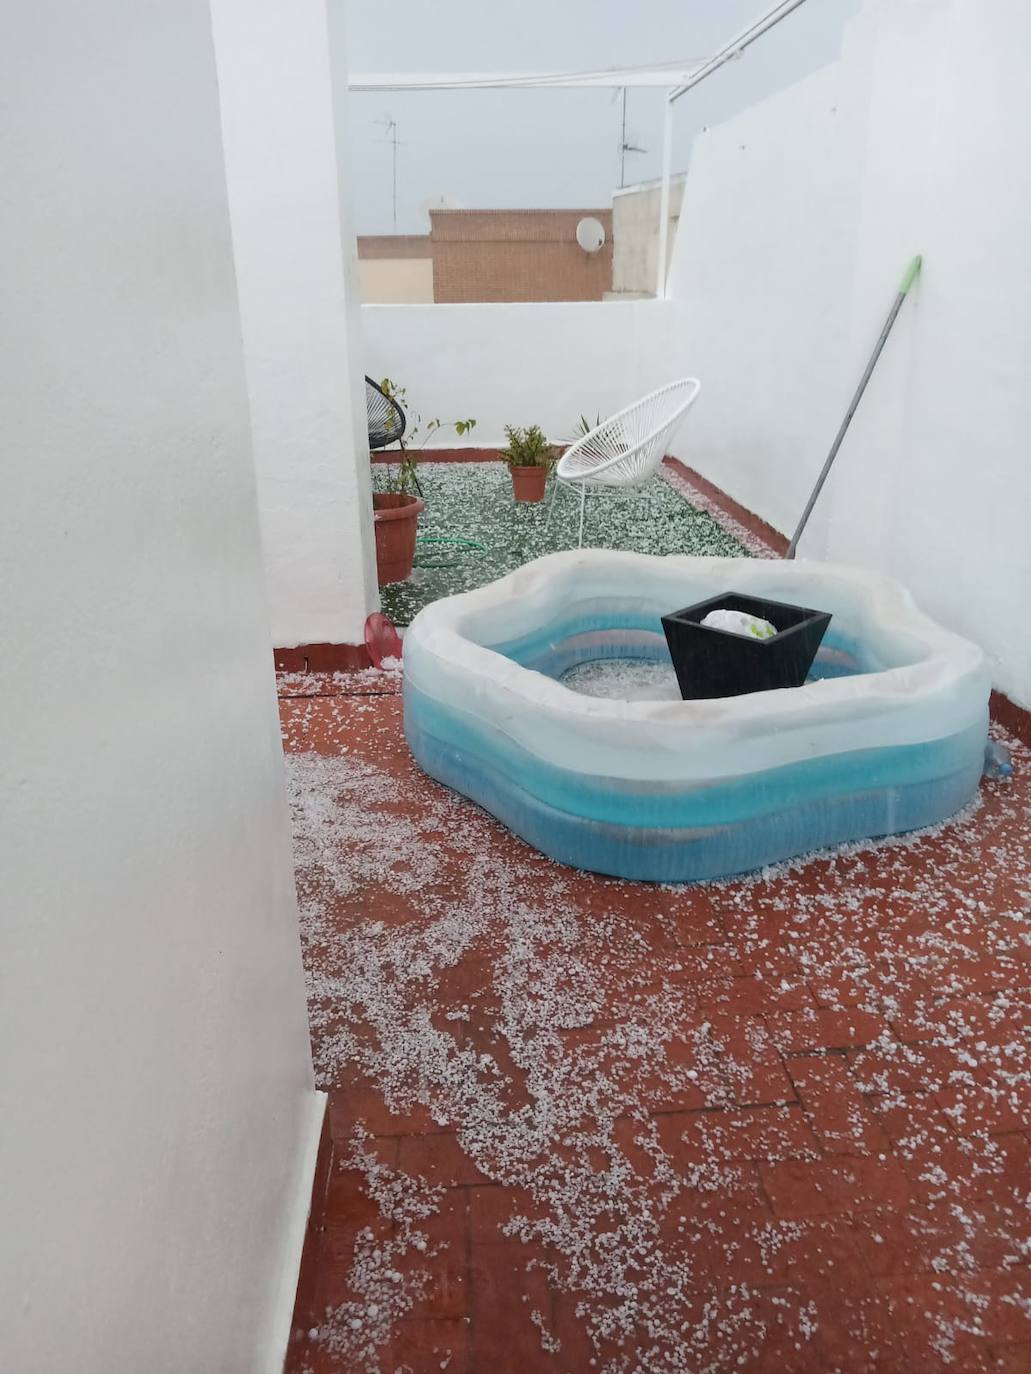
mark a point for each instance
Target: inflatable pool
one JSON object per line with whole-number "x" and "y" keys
{"x": 887, "y": 735}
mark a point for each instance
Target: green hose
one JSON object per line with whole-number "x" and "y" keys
{"x": 450, "y": 539}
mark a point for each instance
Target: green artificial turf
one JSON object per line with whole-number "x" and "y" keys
{"x": 473, "y": 501}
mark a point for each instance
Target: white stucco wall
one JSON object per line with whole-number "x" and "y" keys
{"x": 800, "y": 217}
{"x": 762, "y": 282}
{"x": 635, "y": 234}
{"x": 155, "y": 1077}
{"x": 297, "y": 271}
{"x": 934, "y": 484}
{"x": 543, "y": 363}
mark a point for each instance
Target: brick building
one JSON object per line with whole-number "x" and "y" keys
{"x": 395, "y": 269}
{"x": 488, "y": 255}
{"x": 517, "y": 255}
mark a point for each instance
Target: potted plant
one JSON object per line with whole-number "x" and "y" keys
{"x": 395, "y": 512}
{"x": 397, "y": 503}
{"x": 529, "y": 457}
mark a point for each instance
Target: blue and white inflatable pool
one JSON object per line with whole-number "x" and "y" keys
{"x": 888, "y": 735}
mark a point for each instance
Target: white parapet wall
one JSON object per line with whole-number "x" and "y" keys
{"x": 286, "y": 147}
{"x": 800, "y": 216}
{"x": 935, "y": 486}
{"x": 520, "y": 364}
{"x": 157, "y": 1094}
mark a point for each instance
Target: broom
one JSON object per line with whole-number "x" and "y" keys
{"x": 912, "y": 272}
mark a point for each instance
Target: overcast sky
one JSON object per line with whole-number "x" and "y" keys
{"x": 550, "y": 148}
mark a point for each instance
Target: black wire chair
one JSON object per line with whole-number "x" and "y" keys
{"x": 387, "y": 421}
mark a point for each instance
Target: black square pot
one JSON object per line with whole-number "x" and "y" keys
{"x": 716, "y": 663}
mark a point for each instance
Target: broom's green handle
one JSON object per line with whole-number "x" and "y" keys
{"x": 912, "y": 272}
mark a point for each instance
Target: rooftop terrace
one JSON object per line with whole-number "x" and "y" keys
{"x": 567, "y": 1124}
{"x": 576, "y": 1123}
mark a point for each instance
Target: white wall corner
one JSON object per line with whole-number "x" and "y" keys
{"x": 296, "y": 1232}
{"x": 162, "y": 950}
{"x": 284, "y": 121}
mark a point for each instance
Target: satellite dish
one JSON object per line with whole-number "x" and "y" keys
{"x": 590, "y": 234}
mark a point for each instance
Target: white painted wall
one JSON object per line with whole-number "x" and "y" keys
{"x": 935, "y": 483}
{"x": 761, "y": 283}
{"x": 789, "y": 253}
{"x": 286, "y": 151}
{"x": 520, "y": 364}
{"x": 635, "y": 234}
{"x": 155, "y": 1077}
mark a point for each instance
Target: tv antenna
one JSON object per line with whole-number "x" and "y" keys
{"x": 624, "y": 146}
{"x": 389, "y": 124}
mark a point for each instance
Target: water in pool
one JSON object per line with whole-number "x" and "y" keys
{"x": 623, "y": 679}
{"x": 653, "y": 679}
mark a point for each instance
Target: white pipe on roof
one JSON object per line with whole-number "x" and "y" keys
{"x": 667, "y": 161}
{"x": 737, "y": 45}
{"x": 660, "y": 74}
{"x": 727, "y": 53}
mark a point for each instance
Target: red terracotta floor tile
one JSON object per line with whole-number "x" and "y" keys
{"x": 511, "y": 1309}
{"x": 809, "y": 1031}
{"x": 799, "y": 1188}
{"x": 751, "y": 995}
{"x": 577, "y": 1353}
{"x": 763, "y": 1134}
{"x": 836, "y": 989}
{"x": 711, "y": 1190}
{"x": 447, "y": 1293}
{"x": 439, "y": 1159}
{"x": 768, "y": 1251}
{"x": 493, "y": 1208}
{"x": 429, "y": 1344}
{"x": 931, "y": 1017}
{"x": 952, "y": 1168}
{"x": 837, "y": 1112}
{"x": 360, "y": 1104}
{"x": 738, "y": 1062}
{"x": 894, "y": 1068}
{"x": 943, "y": 1238}
{"x": 982, "y": 1107}
{"x": 956, "y": 1320}
{"x": 907, "y": 1116}
{"x": 1011, "y": 1359}
{"x": 827, "y": 1326}
{"x": 771, "y": 1125}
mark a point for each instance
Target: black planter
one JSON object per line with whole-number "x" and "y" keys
{"x": 716, "y": 663}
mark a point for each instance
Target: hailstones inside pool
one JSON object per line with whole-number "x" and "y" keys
{"x": 648, "y": 679}
{"x": 623, "y": 679}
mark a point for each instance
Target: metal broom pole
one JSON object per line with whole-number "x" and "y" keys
{"x": 912, "y": 272}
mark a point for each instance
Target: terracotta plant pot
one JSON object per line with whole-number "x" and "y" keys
{"x": 396, "y": 516}
{"x": 528, "y": 483}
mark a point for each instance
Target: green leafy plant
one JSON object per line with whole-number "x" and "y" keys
{"x": 527, "y": 448}
{"x": 614, "y": 438}
{"x": 417, "y": 436}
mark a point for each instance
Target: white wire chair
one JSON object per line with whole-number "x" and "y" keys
{"x": 627, "y": 448}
